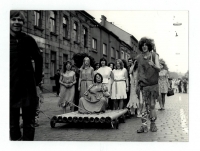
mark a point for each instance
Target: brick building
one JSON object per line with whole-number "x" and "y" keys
{"x": 126, "y": 37}
{"x": 60, "y": 34}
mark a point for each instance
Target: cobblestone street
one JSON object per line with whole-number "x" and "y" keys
{"x": 172, "y": 125}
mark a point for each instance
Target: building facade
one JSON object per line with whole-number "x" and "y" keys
{"x": 124, "y": 36}
{"x": 60, "y": 34}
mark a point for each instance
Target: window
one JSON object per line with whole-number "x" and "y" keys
{"x": 53, "y": 63}
{"x": 38, "y": 18}
{"x": 85, "y": 35}
{"x": 75, "y": 32}
{"x": 117, "y": 54}
{"x": 112, "y": 52}
{"x": 46, "y": 58}
{"x": 94, "y": 43}
{"x": 52, "y": 21}
{"x": 104, "y": 49}
{"x": 65, "y": 27}
{"x": 126, "y": 56}
{"x": 122, "y": 55}
{"x": 65, "y": 58}
{"x": 60, "y": 62}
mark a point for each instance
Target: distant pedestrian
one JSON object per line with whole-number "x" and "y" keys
{"x": 163, "y": 84}
{"x": 173, "y": 85}
{"x": 23, "y": 78}
{"x": 179, "y": 85}
{"x": 57, "y": 78}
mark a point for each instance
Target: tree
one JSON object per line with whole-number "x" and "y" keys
{"x": 78, "y": 59}
{"x": 187, "y": 74}
{"x": 173, "y": 75}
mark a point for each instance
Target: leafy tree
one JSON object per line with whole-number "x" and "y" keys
{"x": 78, "y": 59}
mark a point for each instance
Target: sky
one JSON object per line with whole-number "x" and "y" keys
{"x": 157, "y": 25}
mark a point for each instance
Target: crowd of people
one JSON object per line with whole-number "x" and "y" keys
{"x": 135, "y": 84}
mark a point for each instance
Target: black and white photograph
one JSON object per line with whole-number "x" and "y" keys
{"x": 99, "y": 75}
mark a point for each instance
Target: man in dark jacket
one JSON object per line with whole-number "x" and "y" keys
{"x": 23, "y": 78}
{"x": 57, "y": 78}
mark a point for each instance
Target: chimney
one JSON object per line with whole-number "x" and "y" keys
{"x": 103, "y": 20}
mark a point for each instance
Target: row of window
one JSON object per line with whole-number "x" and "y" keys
{"x": 124, "y": 55}
{"x": 52, "y": 19}
{"x": 52, "y": 61}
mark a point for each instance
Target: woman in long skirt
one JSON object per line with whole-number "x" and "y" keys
{"x": 67, "y": 88}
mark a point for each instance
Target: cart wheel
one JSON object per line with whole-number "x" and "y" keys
{"x": 52, "y": 123}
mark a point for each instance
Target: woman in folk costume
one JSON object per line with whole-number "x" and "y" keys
{"x": 86, "y": 76}
{"x": 148, "y": 69}
{"x": 67, "y": 88}
{"x": 120, "y": 85}
{"x": 134, "y": 102}
{"x": 95, "y": 98}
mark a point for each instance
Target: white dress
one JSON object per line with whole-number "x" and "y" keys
{"x": 105, "y": 72}
{"x": 119, "y": 84}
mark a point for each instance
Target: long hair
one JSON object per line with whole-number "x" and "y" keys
{"x": 164, "y": 66}
{"x": 112, "y": 64}
{"x": 17, "y": 13}
{"x": 65, "y": 64}
{"x": 103, "y": 59}
{"x": 95, "y": 81}
{"x": 83, "y": 66}
{"x": 149, "y": 42}
{"x": 120, "y": 62}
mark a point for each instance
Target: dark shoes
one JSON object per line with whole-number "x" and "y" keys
{"x": 143, "y": 129}
{"x": 153, "y": 127}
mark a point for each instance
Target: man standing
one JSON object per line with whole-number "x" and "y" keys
{"x": 23, "y": 78}
{"x": 57, "y": 78}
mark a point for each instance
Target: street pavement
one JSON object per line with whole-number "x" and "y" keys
{"x": 172, "y": 125}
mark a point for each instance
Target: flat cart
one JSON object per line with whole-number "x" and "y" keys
{"x": 110, "y": 117}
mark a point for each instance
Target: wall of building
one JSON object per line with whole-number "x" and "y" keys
{"x": 57, "y": 48}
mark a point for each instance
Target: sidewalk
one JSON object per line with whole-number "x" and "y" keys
{"x": 172, "y": 125}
